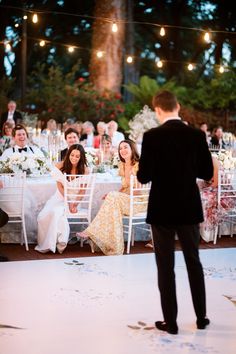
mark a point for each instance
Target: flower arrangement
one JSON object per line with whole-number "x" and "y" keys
{"x": 115, "y": 161}
{"x": 5, "y": 143}
{"x": 142, "y": 121}
{"x": 91, "y": 157}
{"x": 228, "y": 138}
{"x": 225, "y": 158}
{"x": 32, "y": 165}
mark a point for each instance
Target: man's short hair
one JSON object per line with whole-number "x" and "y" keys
{"x": 88, "y": 124}
{"x": 165, "y": 100}
{"x": 19, "y": 127}
{"x": 71, "y": 130}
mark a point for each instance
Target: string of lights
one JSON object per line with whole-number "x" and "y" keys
{"x": 114, "y": 22}
{"x": 130, "y": 59}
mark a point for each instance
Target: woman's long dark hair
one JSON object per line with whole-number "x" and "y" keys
{"x": 67, "y": 165}
{"x": 134, "y": 152}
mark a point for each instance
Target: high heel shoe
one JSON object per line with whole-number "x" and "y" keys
{"x": 82, "y": 235}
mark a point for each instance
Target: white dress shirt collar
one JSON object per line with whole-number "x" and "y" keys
{"x": 171, "y": 118}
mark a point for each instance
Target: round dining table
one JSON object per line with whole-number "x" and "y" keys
{"x": 39, "y": 190}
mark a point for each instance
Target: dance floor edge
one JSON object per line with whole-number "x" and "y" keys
{"x": 108, "y": 305}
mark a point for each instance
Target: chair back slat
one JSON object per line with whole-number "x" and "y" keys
{"x": 79, "y": 189}
{"x": 138, "y": 202}
{"x": 12, "y": 199}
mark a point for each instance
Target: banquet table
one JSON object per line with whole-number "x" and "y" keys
{"x": 40, "y": 189}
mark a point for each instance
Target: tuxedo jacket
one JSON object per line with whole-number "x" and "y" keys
{"x": 16, "y": 116}
{"x": 63, "y": 153}
{"x": 173, "y": 156}
{"x": 215, "y": 142}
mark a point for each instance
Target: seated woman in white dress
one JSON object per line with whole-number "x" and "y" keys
{"x": 106, "y": 229}
{"x": 53, "y": 226}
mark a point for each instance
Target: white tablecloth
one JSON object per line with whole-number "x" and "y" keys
{"x": 39, "y": 190}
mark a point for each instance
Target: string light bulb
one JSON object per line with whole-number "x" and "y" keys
{"x": 221, "y": 69}
{"x": 25, "y": 17}
{"x": 35, "y": 18}
{"x": 159, "y": 63}
{"x": 207, "y": 37}
{"x": 100, "y": 54}
{"x": 162, "y": 32}
{"x": 16, "y": 25}
{"x": 190, "y": 67}
{"x": 42, "y": 43}
{"x": 71, "y": 49}
{"x": 114, "y": 27}
{"x": 129, "y": 59}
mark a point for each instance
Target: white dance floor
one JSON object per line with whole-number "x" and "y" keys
{"x": 108, "y": 305}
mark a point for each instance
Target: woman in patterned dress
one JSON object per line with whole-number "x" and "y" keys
{"x": 213, "y": 213}
{"x": 106, "y": 230}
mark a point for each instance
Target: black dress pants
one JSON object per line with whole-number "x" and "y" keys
{"x": 164, "y": 245}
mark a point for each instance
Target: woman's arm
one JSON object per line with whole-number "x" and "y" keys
{"x": 215, "y": 172}
{"x": 60, "y": 187}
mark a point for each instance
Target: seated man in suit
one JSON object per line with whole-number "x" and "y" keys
{"x": 217, "y": 138}
{"x": 11, "y": 115}
{"x": 71, "y": 137}
{"x": 20, "y": 137}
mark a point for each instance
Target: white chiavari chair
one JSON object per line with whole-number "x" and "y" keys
{"x": 79, "y": 189}
{"x": 139, "y": 194}
{"x": 12, "y": 200}
{"x": 226, "y": 199}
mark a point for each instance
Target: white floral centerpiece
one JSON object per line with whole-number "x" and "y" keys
{"x": 91, "y": 157}
{"x": 226, "y": 160}
{"x": 228, "y": 138}
{"x": 31, "y": 164}
{"x": 142, "y": 121}
{"x": 115, "y": 161}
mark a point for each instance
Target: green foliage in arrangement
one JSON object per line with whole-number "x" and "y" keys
{"x": 217, "y": 93}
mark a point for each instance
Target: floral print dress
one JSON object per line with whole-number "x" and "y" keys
{"x": 213, "y": 215}
{"x": 106, "y": 229}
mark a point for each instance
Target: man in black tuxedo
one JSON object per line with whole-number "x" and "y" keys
{"x": 11, "y": 115}
{"x": 71, "y": 137}
{"x": 173, "y": 156}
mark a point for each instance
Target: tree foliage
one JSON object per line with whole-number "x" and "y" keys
{"x": 61, "y": 96}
